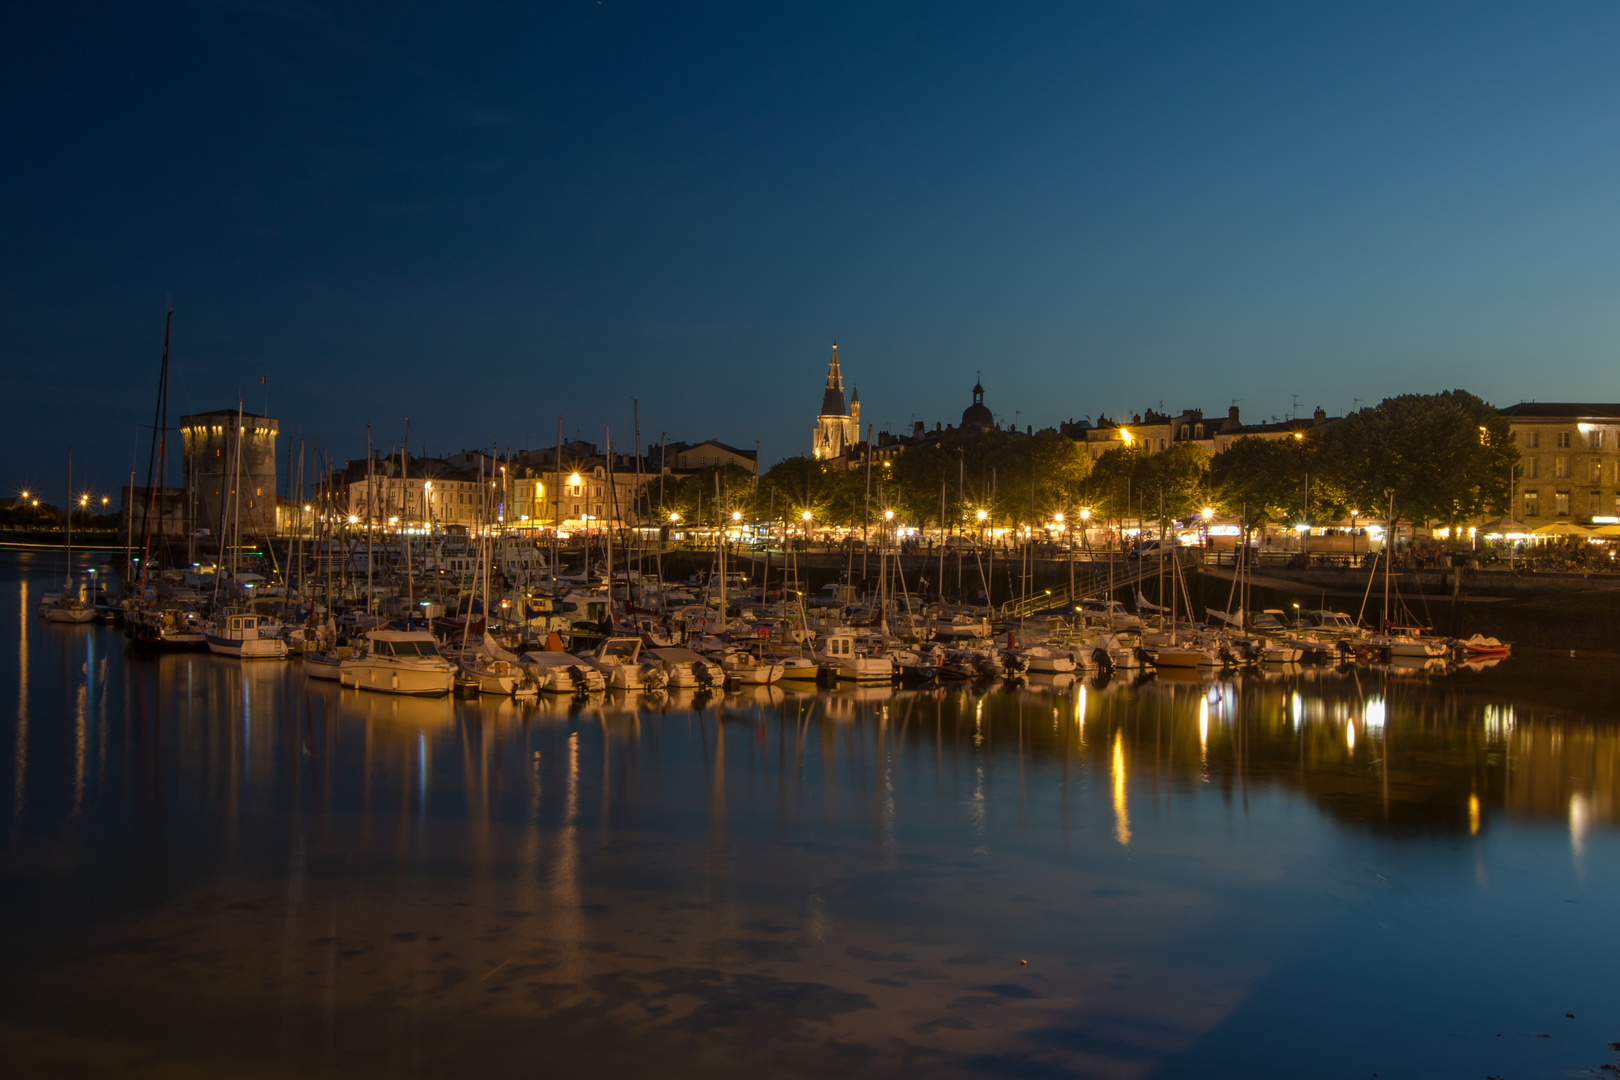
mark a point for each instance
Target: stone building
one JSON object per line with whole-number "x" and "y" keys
{"x": 219, "y": 489}
{"x": 1569, "y": 457}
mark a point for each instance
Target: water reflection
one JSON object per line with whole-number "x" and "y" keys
{"x": 1070, "y": 877}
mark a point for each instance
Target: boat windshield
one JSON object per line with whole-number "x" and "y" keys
{"x": 620, "y": 650}
{"x": 404, "y": 648}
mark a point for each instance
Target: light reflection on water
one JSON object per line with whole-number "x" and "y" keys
{"x": 225, "y": 867}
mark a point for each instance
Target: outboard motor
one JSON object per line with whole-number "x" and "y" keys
{"x": 1103, "y": 661}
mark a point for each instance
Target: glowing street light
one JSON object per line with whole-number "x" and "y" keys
{"x": 1085, "y": 515}
{"x": 983, "y": 515}
{"x": 736, "y": 515}
{"x": 888, "y": 515}
{"x": 1058, "y": 517}
{"x": 1207, "y": 513}
{"x": 806, "y": 515}
{"x": 673, "y": 516}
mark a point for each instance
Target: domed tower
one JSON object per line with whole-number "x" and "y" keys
{"x": 976, "y": 417}
{"x": 837, "y": 428}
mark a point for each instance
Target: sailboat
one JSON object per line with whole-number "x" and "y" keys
{"x": 68, "y": 608}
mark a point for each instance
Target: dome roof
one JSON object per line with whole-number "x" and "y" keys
{"x": 976, "y": 414}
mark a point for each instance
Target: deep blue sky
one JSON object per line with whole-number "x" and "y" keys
{"x": 484, "y": 217}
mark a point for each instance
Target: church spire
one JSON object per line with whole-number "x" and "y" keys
{"x": 832, "y": 399}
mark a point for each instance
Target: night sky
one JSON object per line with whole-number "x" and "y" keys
{"x": 484, "y": 217}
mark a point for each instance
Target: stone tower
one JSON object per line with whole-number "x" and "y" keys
{"x": 210, "y": 467}
{"x": 837, "y": 428}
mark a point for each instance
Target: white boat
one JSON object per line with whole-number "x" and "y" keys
{"x": 492, "y": 670}
{"x": 560, "y": 673}
{"x": 682, "y": 669}
{"x": 67, "y": 609}
{"x": 399, "y": 662}
{"x": 800, "y": 669}
{"x": 326, "y": 663}
{"x": 619, "y": 661}
{"x": 840, "y": 656}
{"x": 960, "y": 627}
{"x": 1407, "y": 645}
{"x": 743, "y": 668}
{"x": 1046, "y": 660}
{"x": 1110, "y": 613}
{"x": 240, "y": 636}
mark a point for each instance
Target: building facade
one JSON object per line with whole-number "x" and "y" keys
{"x": 1569, "y": 454}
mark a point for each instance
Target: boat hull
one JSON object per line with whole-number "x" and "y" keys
{"x": 392, "y": 679}
{"x": 248, "y": 648}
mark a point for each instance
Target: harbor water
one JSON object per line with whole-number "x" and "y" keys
{"x": 218, "y": 868}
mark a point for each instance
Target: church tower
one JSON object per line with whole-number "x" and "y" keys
{"x": 837, "y": 428}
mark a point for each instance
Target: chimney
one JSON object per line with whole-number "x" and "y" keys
{"x": 1232, "y": 414}
{"x": 917, "y": 429}
{"x": 1319, "y": 415}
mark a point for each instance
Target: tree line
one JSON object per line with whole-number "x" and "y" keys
{"x": 1443, "y": 457}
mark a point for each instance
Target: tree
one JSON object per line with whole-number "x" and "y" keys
{"x": 1431, "y": 456}
{"x": 1132, "y": 478}
{"x": 1269, "y": 478}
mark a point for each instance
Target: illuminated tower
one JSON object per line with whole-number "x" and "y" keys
{"x": 209, "y": 441}
{"x": 837, "y": 428}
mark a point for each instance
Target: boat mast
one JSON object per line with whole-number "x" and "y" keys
{"x": 67, "y": 582}
{"x": 607, "y": 440}
{"x": 720, "y": 545}
{"x": 556, "y": 514}
{"x": 236, "y": 497}
{"x": 371, "y": 498}
{"x": 405, "y": 526}
{"x": 154, "y": 457}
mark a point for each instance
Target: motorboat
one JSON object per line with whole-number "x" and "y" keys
{"x": 1110, "y": 613}
{"x": 1045, "y": 660}
{"x": 1408, "y": 645}
{"x": 840, "y": 656}
{"x": 492, "y": 670}
{"x": 399, "y": 662}
{"x": 682, "y": 668}
{"x": 1481, "y": 647}
{"x": 245, "y": 637}
{"x": 619, "y": 661}
{"x": 960, "y": 627}
{"x": 562, "y": 673}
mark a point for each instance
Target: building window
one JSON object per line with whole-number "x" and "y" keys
{"x": 1532, "y": 470}
{"x": 1560, "y": 467}
{"x": 1184, "y": 432}
{"x": 1561, "y": 503}
{"x": 1592, "y": 503}
{"x": 1596, "y": 471}
{"x": 1198, "y": 431}
{"x": 1563, "y": 440}
{"x": 1532, "y": 439}
{"x": 1594, "y": 438}
{"x": 1532, "y": 504}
